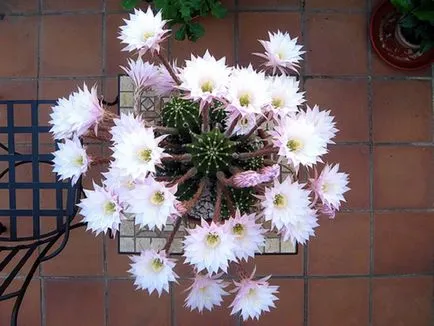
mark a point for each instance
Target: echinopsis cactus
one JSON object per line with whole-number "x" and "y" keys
{"x": 224, "y": 135}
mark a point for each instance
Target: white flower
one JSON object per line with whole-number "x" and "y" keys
{"x": 70, "y": 160}
{"x": 124, "y": 125}
{"x": 151, "y": 203}
{"x": 210, "y": 247}
{"x": 299, "y": 141}
{"x": 143, "y": 31}
{"x": 324, "y": 123}
{"x": 137, "y": 153}
{"x": 76, "y": 114}
{"x": 281, "y": 52}
{"x": 331, "y": 185}
{"x": 301, "y": 229}
{"x": 205, "y": 78}
{"x": 205, "y": 292}
{"x": 285, "y": 95}
{"x": 244, "y": 124}
{"x": 253, "y": 297}
{"x": 153, "y": 271}
{"x": 249, "y": 236}
{"x": 101, "y": 210}
{"x": 247, "y": 91}
{"x": 143, "y": 74}
{"x": 285, "y": 203}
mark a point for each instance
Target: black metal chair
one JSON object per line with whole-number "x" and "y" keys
{"x": 29, "y": 226}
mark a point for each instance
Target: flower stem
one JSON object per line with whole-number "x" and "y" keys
{"x": 189, "y": 174}
{"x": 169, "y": 68}
{"x": 205, "y": 118}
{"x": 218, "y": 203}
{"x": 166, "y": 130}
{"x": 189, "y": 204}
{"x": 261, "y": 152}
{"x": 229, "y": 201}
{"x": 228, "y": 131}
{"x": 260, "y": 121}
{"x": 172, "y": 234}
{"x": 177, "y": 158}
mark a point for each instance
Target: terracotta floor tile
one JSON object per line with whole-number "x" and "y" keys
{"x": 250, "y": 31}
{"x": 348, "y": 102}
{"x": 19, "y": 6}
{"x": 289, "y": 308}
{"x": 19, "y": 39}
{"x": 117, "y": 264}
{"x": 402, "y": 111}
{"x": 114, "y": 56}
{"x": 335, "y": 4}
{"x": 269, "y": 4}
{"x": 341, "y": 246}
{"x": 218, "y": 39}
{"x": 74, "y": 302}
{"x": 277, "y": 264}
{"x": 380, "y": 68}
{"x": 128, "y": 306}
{"x": 220, "y": 316}
{"x": 60, "y": 56}
{"x": 83, "y": 255}
{"x": 65, "y": 5}
{"x": 353, "y": 160}
{"x": 338, "y": 302}
{"x": 402, "y": 177}
{"x": 402, "y": 301}
{"x": 331, "y": 53}
{"x": 404, "y": 242}
{"x": 17, "y": 90}
{"x": 29, "y": 313}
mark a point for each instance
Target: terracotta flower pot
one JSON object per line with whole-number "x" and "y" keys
{"x": 391, "y": 45}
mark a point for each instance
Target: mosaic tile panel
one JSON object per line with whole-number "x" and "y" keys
{"x": 132, "y": 239}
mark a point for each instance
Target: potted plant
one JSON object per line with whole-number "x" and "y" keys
{"x": 402, "y": 33}
{"x": 184, "y": 14}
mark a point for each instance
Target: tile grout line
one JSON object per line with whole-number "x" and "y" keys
{"x": 371, "y": 167}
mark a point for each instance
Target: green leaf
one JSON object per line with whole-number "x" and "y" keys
{"x": 185, "y": 11}
{"x": 217, "y": 10}
{"x": 402, "y": 5}
{"x": 425, "y": 15}
{"x": 195, "y": 31}
{"x": 180, "y": 33}
{"x": 129, "y": 4}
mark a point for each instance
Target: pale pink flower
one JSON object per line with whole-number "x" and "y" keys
{"x": 252, "y": 178}
{"x": 205, "y": 292}
{"x": 281, "y": 52}
{"x": 253, "y": 297}
{"x": 330, "y": 186}
{"x": 164, "y": 83}
{"x": 153, "y": 271}
{"x": 300, "y": 229}
{"x": 143, "y": 31}
{"x": 143, "y": 74}
{"x": 328, "y": 211}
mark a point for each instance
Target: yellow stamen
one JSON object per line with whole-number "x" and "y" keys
{"x": 109, "y": 208}
{"x": 212, "y": 240}
{"x": 294, "y": 145}
{"x": 145, "y": 154}
{"x": 147, "y": 35}
{"x": 280, "y": 201}
{"x": 277, "y": 102}
{"x": 157, "y": 198}
{"x": 245, "y": 100}
{"x": 238, "y": 229}
{"x": 79, "y": 161}
{"x": 157, "y": 264}
{"x": 207, "y": 86}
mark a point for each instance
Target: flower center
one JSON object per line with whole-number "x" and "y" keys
{"x": 238, "y": 230}
{"x": 280, "y": 201}
{"x": 244, "y": 122}
{"x": 252, "y": 293}
{"x": 280, "y": 55}
{"x": 79, "y": 161}
{"x": 212, "y": 240}
{"x": 207, "y": 86}
{"x": 148, "y": 35}
{"x": 145, "y": 155}
{"x": 245, "y": 100}
{"x": 294, "y": 145}
{"x": 277, "y": 102}
{"x": 157, "y": 198}
{"x": 157, "y": 265}
{"x": 109, "y": 208}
